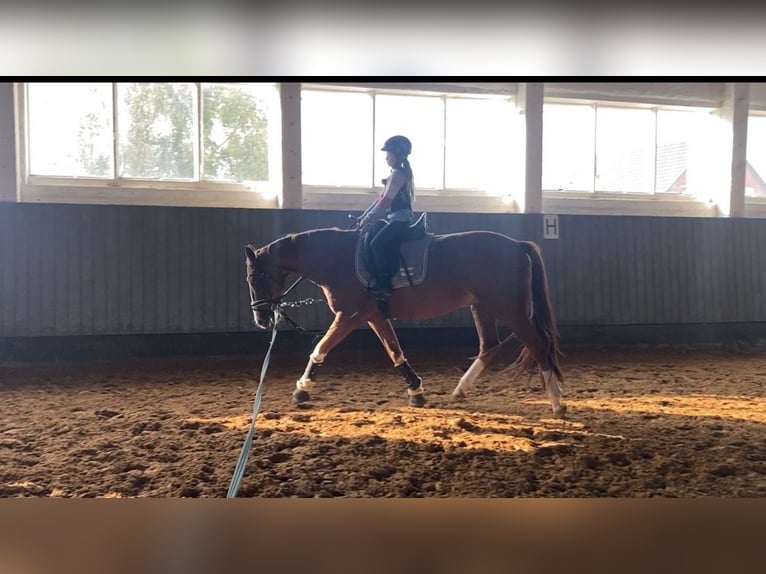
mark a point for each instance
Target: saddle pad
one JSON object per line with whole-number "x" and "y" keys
{"x": 415, "y": 253}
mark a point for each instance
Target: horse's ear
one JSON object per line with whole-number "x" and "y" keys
{"x": 250, "y": 252}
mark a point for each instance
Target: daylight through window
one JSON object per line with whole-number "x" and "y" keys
{"x": 459, "y": 142}
{"x": 183, "y": 132}
{"x": 592, "y": 147}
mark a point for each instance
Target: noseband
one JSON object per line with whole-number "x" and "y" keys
{"x": 272, "y": 302}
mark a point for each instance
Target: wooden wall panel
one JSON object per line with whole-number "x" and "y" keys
{"x": 93, "y": 270}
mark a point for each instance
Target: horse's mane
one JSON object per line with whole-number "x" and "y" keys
{"x": 295, "y": 237}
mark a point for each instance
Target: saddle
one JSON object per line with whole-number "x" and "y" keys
{"x": 412, "y": 256}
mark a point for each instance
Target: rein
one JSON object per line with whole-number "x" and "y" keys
{"x": 239, "y": 470}
{"x": 278, "y": 305}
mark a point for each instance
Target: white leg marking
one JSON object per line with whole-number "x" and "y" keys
{"x": 305, "y": 383}
{"x": 553, "y": 388}
{"x": 469, "y": 377}
{"x": 316, "y": 356}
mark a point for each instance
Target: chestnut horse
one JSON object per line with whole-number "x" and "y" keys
{"x": 499, "y": 278}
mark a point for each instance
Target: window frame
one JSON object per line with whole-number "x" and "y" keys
{"x": 597, "y": 202}
{"x": 144, "y": 191}
{"x": 755, "y": 206}
{"x": 148, "y": 192}
{"x": 595, "y": 104}
{"x": 446, "y": 199}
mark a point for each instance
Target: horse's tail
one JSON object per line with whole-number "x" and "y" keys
{"x": 542, "y": 314}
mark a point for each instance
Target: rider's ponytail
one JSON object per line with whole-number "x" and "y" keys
{"x": 407, "y": 168}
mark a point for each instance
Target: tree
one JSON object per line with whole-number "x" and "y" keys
{"x": 93, "y": 163}
{"x": 157, "y": 133}
{"x": 158, "y": 142}
{"x": 94, "y": 136}
{"x": 235, "y": 134}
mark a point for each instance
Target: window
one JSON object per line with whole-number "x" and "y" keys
{"x": 677, "y": 134}
{"x": 624, "y": 150}
{"x": 618, "y": 149}
{"x": 568, "y": 147}
{"x": 481, "y": 144}
{"x": 421, "y": 119}
{"x": 334, "y": 129}
{"x": 458, "y": 142}
{"x": 70, "y": 130}
{"x": 756, "y": 156}
{"x": 201, "y": 136}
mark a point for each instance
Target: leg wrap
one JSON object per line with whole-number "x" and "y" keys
{"x": 414, "y": 383}
{"x": 306, "y": 382}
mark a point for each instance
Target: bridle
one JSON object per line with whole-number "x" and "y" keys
{"x": 276, "y": 304}
{"x": 273, "y": 302}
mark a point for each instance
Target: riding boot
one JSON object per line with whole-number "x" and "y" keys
{"x": 381, "y": 287}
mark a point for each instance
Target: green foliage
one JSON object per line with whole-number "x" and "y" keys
{"x": 93, "y": 163}
{"x": 157, "y": 127}
{"x": 235, "y": 135}
{"x": 94, "y": 136}
{"x": 158, "y": 142}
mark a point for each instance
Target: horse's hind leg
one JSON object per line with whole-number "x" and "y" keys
{"x": 341, "y": 326}
{"x": 385, "y": 332}
{"x": 489, "y": 345}
{"x": 527, "y": 334}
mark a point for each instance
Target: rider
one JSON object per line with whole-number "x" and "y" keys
{"x": 394, "y": 204}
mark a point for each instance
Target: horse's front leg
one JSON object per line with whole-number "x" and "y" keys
{"x": 341, "y": 326}
{"x": 385, "y": 332}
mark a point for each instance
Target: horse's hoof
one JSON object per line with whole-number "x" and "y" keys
{"x": 417, "y": 400}
{"x": 458, "y": 395}
{"x": 560, "y": 412}
{"x": 300, "y": 396}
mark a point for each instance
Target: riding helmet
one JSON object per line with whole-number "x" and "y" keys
{"x": 398, "y": 145}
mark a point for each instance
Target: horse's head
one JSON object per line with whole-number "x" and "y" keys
{"x": 266, "y": 284}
